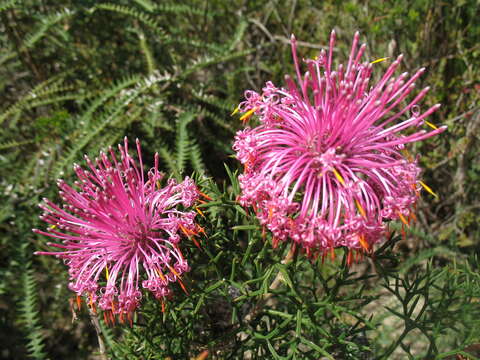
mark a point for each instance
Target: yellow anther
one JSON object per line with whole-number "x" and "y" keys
{"x": 426, "y": 187}
{"x": 200, "y": 212}
{"x": 360, "y": 209}
{"x": 431, "y": 125}
{"x": 173, "y": 271}
{"x": 159, "y": 273}
{"x": 53, "y": 227}
{"x": 413, "y": 216}
{"x": 380, "y": 60}
{"x": 248, "y": 114}
{"x": 237, "y": 109}
{"x": 338, "y": 176}
{"x": 106, "y": 272}
{"x": 158, "y": 184}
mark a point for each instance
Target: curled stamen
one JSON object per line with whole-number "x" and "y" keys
{"x": 327, "y": 165}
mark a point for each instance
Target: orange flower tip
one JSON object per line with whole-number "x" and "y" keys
{"x": 349, "y": 258}
{"x": 364, "y": 244}
{"x": 402, "y": 218}
{"x": 197, "y": 244}
{"x": 79, "y": 302}
{"x": 205, "y": 195}
{"x": 274, "y": 242}
{"x": 332, "y": 253}
{"x": 203, "y": 355}
{"x": 183, "y": 287}
{"x": 413, "y": 216}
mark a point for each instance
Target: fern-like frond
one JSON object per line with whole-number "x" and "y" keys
{"x": 146, "y": 4}
{"x": 182, "y": 141}
{"x": 114, "y": 115}
{"x": 13, "y": 143}
{"x": 182, "y": 9}
{"x": 46, "y": 23}
{"x": 239, "y": 33}
{"x": 225, "y": 122}
{"x": 169, "y": 161}
{"x": 195, "y": 156}
{"x": 208, "y": 61}
{"x": 7, "y": 54}
{"x": 144, "y": 18}
{"x": 147, "y": 53}
{"x": 29, "y": 315}
{"x": 41, "y": 94}
{"x": 107, "y": 94}
{"x": 222, "y": 104}
{"x": 8, "y": 4}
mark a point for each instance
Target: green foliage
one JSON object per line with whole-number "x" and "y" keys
{"x": 30, "y": 317}
{"x": 78, "y": 76}
{"x": 315, "y": 310}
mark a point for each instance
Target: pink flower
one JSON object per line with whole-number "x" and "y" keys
{"x": 119, "y": 232}
{"x": 326, "y": 166}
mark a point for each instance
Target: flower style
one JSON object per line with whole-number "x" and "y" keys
{"x": 120, "y": 229}
{"x": 327, "y": 165}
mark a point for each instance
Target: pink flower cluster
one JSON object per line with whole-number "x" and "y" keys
{"x": 119, "y": 231}
{"x": 327, "y": 164}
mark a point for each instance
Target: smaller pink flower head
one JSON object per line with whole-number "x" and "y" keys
{"x": 118, "y": 228}
{"x": 326, "y": 166}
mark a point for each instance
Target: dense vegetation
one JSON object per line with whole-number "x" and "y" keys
{"x": 77, "y": 76}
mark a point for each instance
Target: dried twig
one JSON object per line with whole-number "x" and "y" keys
{"x": 98, "y": 330}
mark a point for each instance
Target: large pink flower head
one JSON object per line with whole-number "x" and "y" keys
{"x": 120, "y": 231}
{"x": 327, "y": 165}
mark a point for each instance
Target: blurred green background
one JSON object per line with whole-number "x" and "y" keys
{"x": 77, "y": 76}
